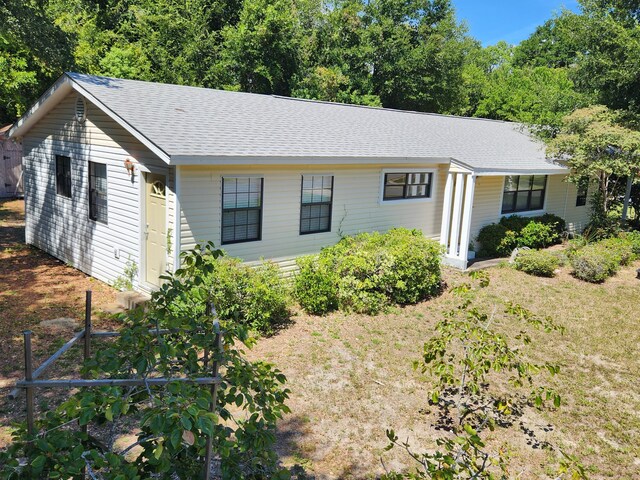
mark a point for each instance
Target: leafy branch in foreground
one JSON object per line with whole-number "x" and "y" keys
{"x": 170, "y": 424}
{"x": 470, "y": 360}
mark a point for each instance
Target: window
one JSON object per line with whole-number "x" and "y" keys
{"x": 402, "y": 186}
{"x": 241, "y": 209}
{"x": 581, "y": 198}
{"x": 315, "y": 208}
{"x": 63, "y": 176}
{"x": 523, "y": 193}
{"x": 98, "y": 192}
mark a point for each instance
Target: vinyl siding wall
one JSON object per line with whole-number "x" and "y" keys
{"x": 357, "y": 207}
{"x": 60, "y": 225}
{"x": 560, "y": 199}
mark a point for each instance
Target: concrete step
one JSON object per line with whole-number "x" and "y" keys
{"x": 130, "y": 299}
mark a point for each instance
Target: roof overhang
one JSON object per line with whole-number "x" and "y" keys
{"x": 545, "y": 168}
{"x": 54, "y": 95}
{"x": 197, "y": 160}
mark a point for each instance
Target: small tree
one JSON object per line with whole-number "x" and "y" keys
{"x": 468, "y": 358}
{"x": 598, "y": 145}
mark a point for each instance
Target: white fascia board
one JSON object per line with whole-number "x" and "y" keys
{"x": 526, "y": 171}
{"x": 49, "y": 99}
{"x": 115, "y": 117}
{"x": 197, "y": 160}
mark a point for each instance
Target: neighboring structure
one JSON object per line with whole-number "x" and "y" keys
{"x": 10, "y": 165}
{"x": 262, "y": 176}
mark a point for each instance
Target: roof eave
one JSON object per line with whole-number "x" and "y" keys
{"x": 54, "y": 95}
{"x": 311, "y": 159}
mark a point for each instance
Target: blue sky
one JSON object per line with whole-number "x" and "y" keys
{"x": 492, "y": 20}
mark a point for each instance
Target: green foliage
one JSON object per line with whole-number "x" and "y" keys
{"x": 316, "y": 285}
{"x": 599, "y": 145}
{"x": 594, "y": 264}
{"x": 370, "y": 271}
{"x": 128, "y": 278}
{"x": 173, "y": 421}
{"x": 517, "y": 231}
{"x": 537, "y": 262}
{"x": 253, "y": 296}
{"x": 467, "y": 359}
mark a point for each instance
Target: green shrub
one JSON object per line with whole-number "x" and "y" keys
{"x": 370, "y": 271}
{"x": 620, "y": 248}
{"x": 633, "y": 237}
{"x": 537, "y": 235}
{"x": 252, "y": 296}
{"x": 537, "y": 262}
{"x": 490, "y": 238}
{"x": 517, "y": 231}
{"x": 315, "y": 286}
{"x": 594, "y": 263}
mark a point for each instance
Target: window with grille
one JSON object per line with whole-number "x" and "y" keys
{"x": 63, "y": 176}
{"x": 523, "y": 193}
{"x": 241, "y": 209}
{"x": 98, "y": 192}
{"x": 316, "y": 202}
{"x": 403, "y": 186}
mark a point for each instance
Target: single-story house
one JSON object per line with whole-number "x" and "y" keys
{"x": 109, "y": 186}
{"x": 10, "y": 165}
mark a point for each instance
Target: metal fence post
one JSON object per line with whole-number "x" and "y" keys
{"x": 28, "y": 376}
{"x": 214, "y": 387}
{"x": 87, "y": 326}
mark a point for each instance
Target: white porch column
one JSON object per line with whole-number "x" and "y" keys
{"x": 466, "y": 218}
{"x": 445, "y": 227}
{"x": 455, "y": 221}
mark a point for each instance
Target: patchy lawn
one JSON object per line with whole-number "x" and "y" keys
{"x": 351, "y": 378}
{"x": 34, "y": 287}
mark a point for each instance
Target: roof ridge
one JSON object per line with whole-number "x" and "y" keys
{"x": 74, "y": 76}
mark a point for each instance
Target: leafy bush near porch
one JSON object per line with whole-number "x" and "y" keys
{"x": 516, "y": 231}
{"x": 367, "y": 272}
{"x": 594, "y": 264}
{"x": 537, "y": 262}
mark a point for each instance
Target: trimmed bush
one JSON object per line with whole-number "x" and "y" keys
{"x": 517, "y": 231}
{"x": 315, "y": 285}
{"x": 633, "y": 237}
{"x": 620, "y": 248}
{"x": 368, "y": 272}
{"x": 490, "y": 239}
{"x": 594, "y": 264}
{"x": 253, "y": 296}
{"x": 537, "y": 262}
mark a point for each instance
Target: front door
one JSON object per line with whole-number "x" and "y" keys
{"x": 156, "y": 228}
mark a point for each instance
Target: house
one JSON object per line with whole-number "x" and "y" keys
{"x": 109, "y": 187}
{"x": 10, "y": 165}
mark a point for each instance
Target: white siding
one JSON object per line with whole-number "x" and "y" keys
{"x": 560, "y": 200}
{"x": 61, "y": 226}
{"x": 356, "y": 208}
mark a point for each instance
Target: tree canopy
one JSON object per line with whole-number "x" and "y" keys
{"x": 405, "y": 54}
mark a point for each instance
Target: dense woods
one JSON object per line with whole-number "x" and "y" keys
{"x": 406, "y": 54}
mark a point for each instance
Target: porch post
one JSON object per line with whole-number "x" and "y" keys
{"x": 466, "y": 217}
{"x": 446, "y": 211}
{"x": 457, "y": 209}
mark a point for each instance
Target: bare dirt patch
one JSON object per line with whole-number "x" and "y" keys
{"x": 34, "y": 287}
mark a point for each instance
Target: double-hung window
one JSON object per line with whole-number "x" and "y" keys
{"x": 403, "y": 186}
{"x": 316, "y": 201}
{"x": 98, "y": 192}
{"x": 523, "y": 193}
{"x": 241, "y": 209}
{"x": 63, "y": 176}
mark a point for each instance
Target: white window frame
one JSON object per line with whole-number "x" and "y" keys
{"x": 434, "y": 183}
{"x": 526, "y": 213}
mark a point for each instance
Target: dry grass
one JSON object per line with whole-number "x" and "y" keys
{"x": 351, "y": 378}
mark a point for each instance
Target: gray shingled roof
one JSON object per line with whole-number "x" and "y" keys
{"x": 213, "y": 123}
